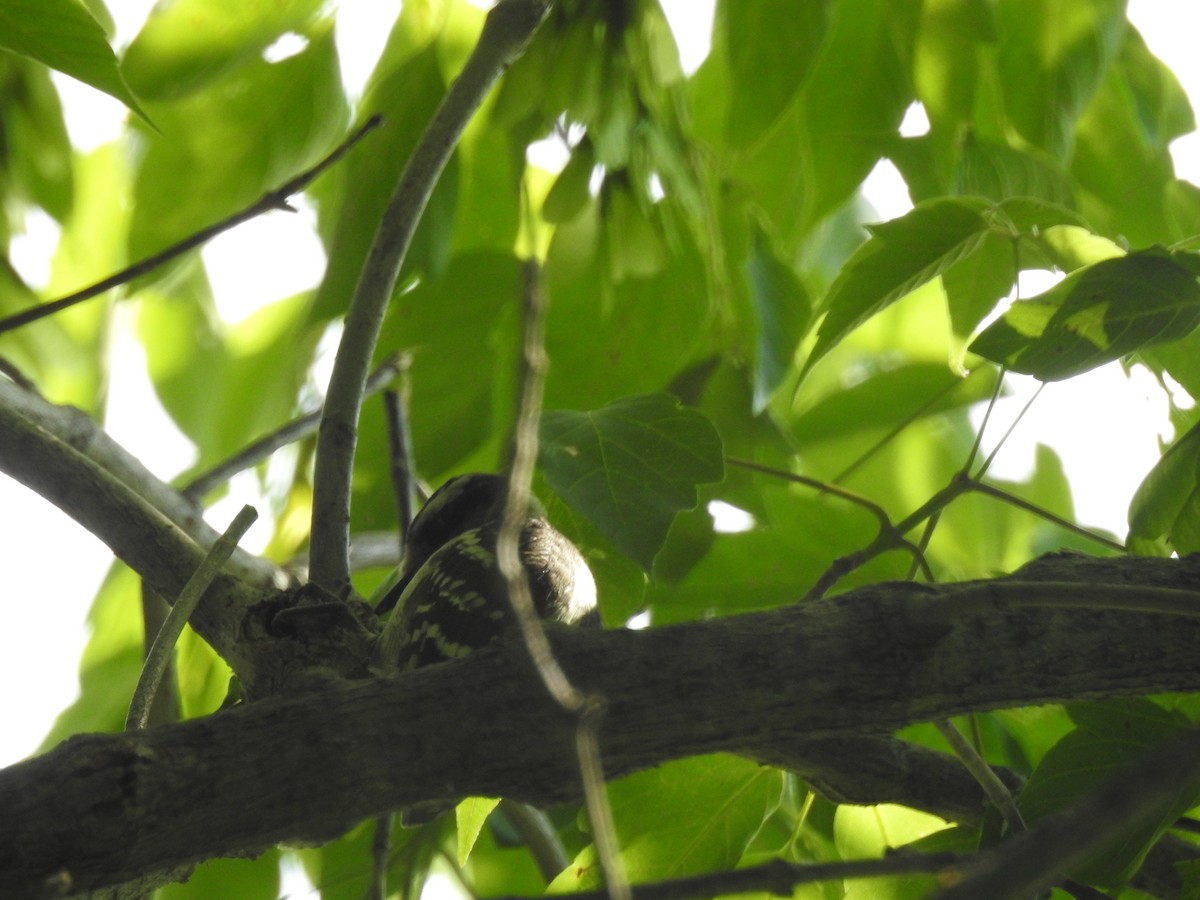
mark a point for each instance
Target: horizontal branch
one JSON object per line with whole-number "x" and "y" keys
{"x": 867, "y": 662}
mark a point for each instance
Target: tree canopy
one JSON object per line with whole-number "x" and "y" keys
{"x": 829, "y": 633}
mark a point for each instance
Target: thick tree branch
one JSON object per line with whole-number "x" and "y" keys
{"x": 69, "y": 453}
{"x": 111, "y": 808}
{"x": 55, "y": 451}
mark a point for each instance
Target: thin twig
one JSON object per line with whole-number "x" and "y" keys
{"x": 993, "y": 787}
{"x": 181, "y": 611}
{"x": 403, "y": 472}
{"x": 516, "y": 504}
{"x": 781, "y": 878}
{"x": 295, "y": 430}
{"x": 400, "y": 447}
{"x": 155, "y": 610}
{"x": 987, "y": 463}
{"x": 276, "y": 199}
{"x": 589, "y": 710}
{"x": 824, "y": 487}
{"x": 506, "y": 30}
{"x": 987, "y": 415}
{"x": 990, "y": 490}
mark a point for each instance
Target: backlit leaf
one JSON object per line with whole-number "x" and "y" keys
{"x": 1095, "y": 315}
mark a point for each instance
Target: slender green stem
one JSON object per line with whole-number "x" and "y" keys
{"x": 981, "y": 487}
{"x": 506, "y": 31}
{"x": 185, "y": 604}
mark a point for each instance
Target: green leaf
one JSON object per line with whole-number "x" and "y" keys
{"x": 900, "y": 256}
{"x": 186, "y": 44}
{"x": 63, "y": 35}
{"x": 608, "y": 340}
{"x": 975, "y": 285}
{"x": 629, "y": 467}
{"x": 1110, "y": 736}
{"x": 889, "y": 397}
{"x": 251, "y": 879}
{"x": 1122, "y": 160}
{"x": 223, "y": 148}
{"x": 37, "y": 149}
{"x": 202, "y": 369}
{"x": 783, "y": 309}
{"x": 111, "y": 663}
{"x": 771, "y": 46}
{"x": 997, "y": 171}
{"x": 1052, "y": 58}
{"x": 405, "y": 88}
{"x": 814, "y": 156}
{"x": 461, "y": 333}
{"x": 683, "y": 818}
{"x": 471, "y": 815}
{"x": 1095, "y": 315}
{"x": 1166, "y": 507}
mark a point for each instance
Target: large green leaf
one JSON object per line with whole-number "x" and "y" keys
{"x": 683, "y": 818}
{"x": 1165, "y": 511}
{"x": 1095, "y": 315}
{"x": 223, "y": 148}
{"x": 606, "y": 338}
{"x": 37, "y": 150}
{"x": 814, "y": 156}
{"x": 887, "y": 398}
{"x": 900, "y": 256}
{"x": 186, "y": 44}
{"x": 1110, "y": 736}
{"x": 461, "y": 330}
{"x": 1122, "y": 159}
{"x": 629, "y": 467}
{"x": 771, "y": 46}
{"x": 1053, "y": 55}
{"x": 63, "y": 35}
{"x": 224, "y": 385}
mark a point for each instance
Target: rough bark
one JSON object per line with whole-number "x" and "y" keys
{"x": 105, "y": 809}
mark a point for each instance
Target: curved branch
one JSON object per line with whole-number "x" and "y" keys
{"x": 48, "y": 425}
{"x": 506, "y": 31}
{"x": 70, "y": 461}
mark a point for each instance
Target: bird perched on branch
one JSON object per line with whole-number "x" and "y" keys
{"x": 455, "y": 599}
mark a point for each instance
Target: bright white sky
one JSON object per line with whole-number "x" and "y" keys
{"x": 41, "y": 635}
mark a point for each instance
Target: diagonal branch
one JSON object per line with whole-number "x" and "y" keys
{"x": 276, "y": 199}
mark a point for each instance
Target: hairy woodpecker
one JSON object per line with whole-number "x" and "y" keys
{"x": 455, "y": 599}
